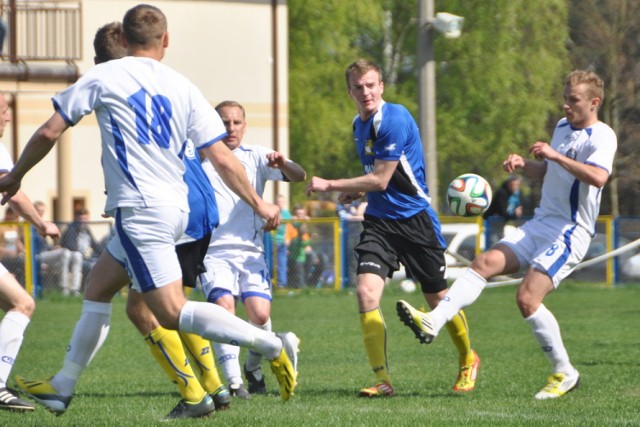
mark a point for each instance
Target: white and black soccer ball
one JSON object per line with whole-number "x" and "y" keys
{"x": 469, "y": 195}
{"x": 408, "y": 286}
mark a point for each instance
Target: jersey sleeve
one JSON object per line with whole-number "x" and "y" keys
{"x": 79, "y": 99}
{"x": 604, "y": 145}
{"x": 392, "y": 135}
{"x": 205, "y": 127}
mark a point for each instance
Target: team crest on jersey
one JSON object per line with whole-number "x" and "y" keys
{"x": 189, "y": 151}
{"x": 368, "y": 148}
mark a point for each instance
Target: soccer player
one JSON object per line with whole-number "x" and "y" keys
{"x": 235, "y": 261}
{"x": 167, "y": 345}
{"x": 400, "y": 225}
{"x": 17, "y": 304}
{"x": 146, "y": 112}
{"x": 573, "y": 168}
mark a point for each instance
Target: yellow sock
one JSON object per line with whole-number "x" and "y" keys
{"x": 167, "y": 349}
{"x": 202, "y": 354}
{"x": 459, "y": 332}
{"x": 374, "y": 332}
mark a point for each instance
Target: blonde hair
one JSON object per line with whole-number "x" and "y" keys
{"x": 595, "y": 85}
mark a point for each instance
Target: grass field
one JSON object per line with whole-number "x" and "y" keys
{"x": 123, "y": 386}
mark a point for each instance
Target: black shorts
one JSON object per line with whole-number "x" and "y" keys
{"x": 385, "y": 243}
{"x": 191, "y": 257}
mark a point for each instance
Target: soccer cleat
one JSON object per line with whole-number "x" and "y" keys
{"x": 381, "y": 389}
{"x": 10, "y": 401}
{"x": 419, "y": 322}
{"x": 467, "y": 375}
{"x": 221, "y": 398}
{"x": 185, "y": 409}
{"x": 256, "y": 386}
{"x": 43, "y": 392}
{"x": 238, "y": 390}
{"x": 285, "y": 366}
{"x": 558, "y": 385}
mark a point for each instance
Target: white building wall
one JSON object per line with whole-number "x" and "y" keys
{"x": 224, "y": 47}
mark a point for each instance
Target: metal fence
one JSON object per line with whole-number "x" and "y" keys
{"x": 53, "y": 268}
{"x": 318, "y": 253}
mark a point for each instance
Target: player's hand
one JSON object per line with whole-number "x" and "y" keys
{"x": 50, "y": 229}
{"x": 271, "y": 215}
{"x": 317, "y": 184}
{"x": 513, "y": 162}
{"x": 276, "y": 160}
{"x": 348, "y": 197}
{"x": 9, "y": 186}
{"x": 542, "y": 150}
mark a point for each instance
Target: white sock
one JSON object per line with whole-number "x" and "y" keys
{"x": 12, "y": 330}
{"x": 547, "y": 332}
{"x": 229, "y": 360}
{"x": 90, "y": 333}
{"x": 216, "y": 324}
{"x": 463, "y": 292}
{"x": 254, "y": 359}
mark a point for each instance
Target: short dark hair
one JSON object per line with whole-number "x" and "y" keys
{"x": 144, "y": 25}
{"x": 107, "y": 43}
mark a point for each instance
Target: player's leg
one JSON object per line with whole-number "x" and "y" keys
{"x": 19, "y": 307}
{"x": 374, "y": 332}
{"x": 259, "y": 314}
{"x": 166, "y": 347}
{"x": 228, "y": 355}
{"x": 546, "y": 330}
{"x": 191, "y": 256}
{"x": 106, "y": 278}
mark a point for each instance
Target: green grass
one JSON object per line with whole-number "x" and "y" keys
{"x": 124, "y": 386}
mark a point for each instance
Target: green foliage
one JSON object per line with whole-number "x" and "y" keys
{"x": 124, "y": 386}
{"x": 498, "y": 86}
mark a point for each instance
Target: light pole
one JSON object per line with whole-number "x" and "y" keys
{"x": 450, "y": 25}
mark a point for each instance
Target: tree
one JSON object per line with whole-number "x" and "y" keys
{"x": 498, "y": 87}
{"x": 604, "y": 39}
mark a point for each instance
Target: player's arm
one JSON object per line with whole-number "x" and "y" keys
{"x": 589, "y": 174}
{"x": 235, "y": 177}
{"x": 290, "y": 169}
{"x": 532, "y": 168}
{"x": 21, "y": 204}
{"x": 41, "y": 142}
{"x": 376, "y": 180}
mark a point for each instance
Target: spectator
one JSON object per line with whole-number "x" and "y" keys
{"x": 11, "y": 245}
{"x": 282, "y": 244}
{"x": 79, "y": 238}
{"x": 56, "y": 259}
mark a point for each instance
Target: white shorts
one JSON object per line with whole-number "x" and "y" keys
{"x": 144, "y": 244}
{"x": 551, "y": 245}
{"x": 236, "y": 272}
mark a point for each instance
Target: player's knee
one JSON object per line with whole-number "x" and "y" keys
{"x": 25, "y": 305}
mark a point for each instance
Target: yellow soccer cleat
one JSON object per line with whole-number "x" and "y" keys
{"x": 381, "y": 389}
{"x": 43, "y": 392}
{"x": 419, "y": 322}
{"x": 285, "y": 366}
{"x": 467, "y": 375}
{"x": 558, "y": 385}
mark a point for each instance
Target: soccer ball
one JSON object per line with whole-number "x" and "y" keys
{"x": 469, "y": 195}
{"x": 408, "y": 286}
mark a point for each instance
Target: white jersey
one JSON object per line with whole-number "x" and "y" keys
{"x": 6, "y": 164}
{"x": 146, "y": 111}
{"x": 240, "y": 227}
{"x": 565, "y": 196}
